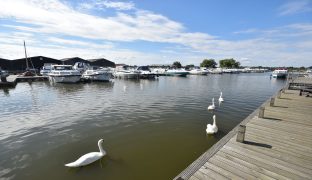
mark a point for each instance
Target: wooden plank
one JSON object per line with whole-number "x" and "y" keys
{"x": 211, "y": 173}
{"x": 193, "y": 178}
{"x": 292, "y": 146}
{"x": 221, "y": 171}
{"x": 260, "y": 162}
{"x": 293, "y": 169}
{"x": 282, "y": 134}
{"x": 235, "y": 168}
{"x": 255, "y": 170}
{"x": 200, "y": 175}
{"x": 287, "y": 157}
{"x": 282, "y": 128}
{"x": 222, "y": 168}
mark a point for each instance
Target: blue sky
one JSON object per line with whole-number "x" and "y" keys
{"x": 267, "y": 33}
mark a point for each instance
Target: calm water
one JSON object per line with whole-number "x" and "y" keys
{"x": 152, "y": 129}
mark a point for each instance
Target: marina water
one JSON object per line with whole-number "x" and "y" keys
{"x": 152, "y": 129}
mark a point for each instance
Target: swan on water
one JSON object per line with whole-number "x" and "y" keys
{"x": 221, "y": 98}
{"x": 211, "y": 107}
{"x": 211, "y": 129}
{"x": 125, "y": 88}
{"x": 88, "y": 158}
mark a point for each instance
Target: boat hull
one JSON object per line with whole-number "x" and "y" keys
{"x": 127, "y": 75}
{"x": 279, "y": 75}
{"x": 97, "y": 77}
{"x": 65, "y": 79}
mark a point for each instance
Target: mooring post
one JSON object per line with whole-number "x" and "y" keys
{"x": 300, "y": 93}
{"x": 241, "y": 133}
{"x": 272, "y": 101}
{"x": 279, "y": 94}
{"x": 261, "y": 112}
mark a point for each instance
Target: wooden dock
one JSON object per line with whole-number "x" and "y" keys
{"x": 12, "y": 80}
{"x": 276, "y": 146}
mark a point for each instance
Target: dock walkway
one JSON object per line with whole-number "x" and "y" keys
{"x": 12, "y": 80}
{"x": 277, "y": 146}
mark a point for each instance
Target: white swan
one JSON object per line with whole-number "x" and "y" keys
{"x": 221, "y": 98}
{"x": 125, "y": 88}
{"x": 212, "y": 107}
{"x": 88, "y": 158}
{"x": 211, "y": 129}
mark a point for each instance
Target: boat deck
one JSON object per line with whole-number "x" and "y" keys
{"x": 277, "y": 146}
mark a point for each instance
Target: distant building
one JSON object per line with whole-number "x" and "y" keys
{"x": 101, "y": 62}
{"x": 20, "y": 64}
{"x": 73, "y": 60}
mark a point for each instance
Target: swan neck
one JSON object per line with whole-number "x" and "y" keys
{"x": 214, "y": 121}
{"x": 101, "y": 148}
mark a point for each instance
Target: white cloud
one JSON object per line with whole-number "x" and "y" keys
{"x": 295, "y": 7}
{"x": 97, "y": 4}
{"x": 49, "y": 20}
{"x": 51, "y": 16}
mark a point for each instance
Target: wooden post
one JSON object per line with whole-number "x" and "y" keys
{"x": 272, "y": 101}
{"x": 241, "y": 133}
{"x": 261, "y": 112}
{"x": 279, "y": 94}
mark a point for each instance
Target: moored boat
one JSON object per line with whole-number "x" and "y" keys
{"x": 125, "y": 72}
{"x": 46, "y": 69}
{"x": 146, "y": 73}
{"x": 97, "y": 74}
{"x": 64, "y": 74}
{"x": 279, "y": 73}
{"x": 176, "y": 72}
{"x": 198, "y": 71}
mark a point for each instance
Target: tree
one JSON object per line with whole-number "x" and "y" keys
{"x": 177, "y": 64}
{"x": 229, "y": 63}
{"x": 211, "y": 63}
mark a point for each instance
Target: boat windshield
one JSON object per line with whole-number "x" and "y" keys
{"x": 63, "y": 67}
{"x": 144, "y": 68}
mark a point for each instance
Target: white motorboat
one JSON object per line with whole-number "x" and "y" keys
{"x": 97, "y": 74}
{"x": 232, "y": 71}
{"x": 279, "y": 73}
{"x": 64, "y": 74}
{"x": 125, "y": 72}
{"x": 198, "y": 71}
{"x": 176, "y": 72}
{"x": 216, "y": 71}
{"x": 46, "y": 69}
{"x": 146, "y": 73}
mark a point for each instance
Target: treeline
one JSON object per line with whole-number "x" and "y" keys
{"x": 211, "y": 63}
{"x": 232, "y": 63}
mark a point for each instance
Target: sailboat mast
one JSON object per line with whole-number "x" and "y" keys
{"x": 27, "y": 66}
